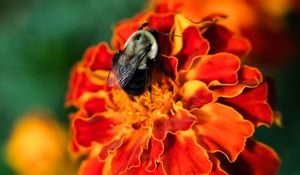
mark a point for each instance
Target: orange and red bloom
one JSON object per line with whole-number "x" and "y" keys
{"x": 263, "y": 22}
{"x": 37, "y": 146}
{"x": 199, "y": 117}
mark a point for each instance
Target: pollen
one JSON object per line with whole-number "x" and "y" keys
{"x": 152, "y": 104}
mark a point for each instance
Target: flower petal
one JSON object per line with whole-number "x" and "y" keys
{"x": 216, "y": 170}
{"x": 99, "y": 57}
{"x": 107, "y": 149}
{"x": 223, "y": 40}
{"x": 170, "y": 65}
{"x": 164, "y": 6}
{"x": 195, "y": 94}
{"x": 92, "y": 103}
{"x": 184, "y": 156}
{"x": 95, "y": 105}
{"x": 156, "y": 150}
{"x": 193, "y": 45}
{"x": 80, "y": 83}
{"x": 128, "y": 154}
{"x": 182, "y": 120}
{"x": 74, "y": 147}
{"x": 125, "y": 28}
{"x": 149, "y": 160}
{"x": 181, "y": 23}
{"x": 256, "y": 159}
{"x": 141, "y": 170}
{"x": 220, "y": 68}
{"x": 221, "y": 128}
{"x": 249, "y": 77}
{"x": 163, "y": 24}
{"x": 91, "y": 166}
{"x": 264, "y": 50}
{"x": 95, "y": 129}
{"x": 253, "y": 105}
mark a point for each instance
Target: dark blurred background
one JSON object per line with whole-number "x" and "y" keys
{"x": 41, "y": 40}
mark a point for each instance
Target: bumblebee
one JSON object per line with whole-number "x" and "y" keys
{"x": 131, "y": 67}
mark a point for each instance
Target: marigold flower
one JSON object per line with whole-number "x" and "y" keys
{"x": 199, "y": 117}
{"x": 37, "y": 146}
{"x": 262, "y": 22}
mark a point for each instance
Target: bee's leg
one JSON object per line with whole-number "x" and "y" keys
{"x": 116, "y": 57}
{"x": 161, "y": 66}
{"x": 148, "y": 80}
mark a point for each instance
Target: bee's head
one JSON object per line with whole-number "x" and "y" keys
{"x": 142, "y": 41}
{"x": 138, "y": 37}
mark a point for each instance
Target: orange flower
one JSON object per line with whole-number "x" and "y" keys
{"x": 262, "y": 22}
{"x": 37, "y": 146}
{"x": 198, "y": 118}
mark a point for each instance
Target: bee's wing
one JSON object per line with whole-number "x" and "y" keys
{"x": 122, "y": 72}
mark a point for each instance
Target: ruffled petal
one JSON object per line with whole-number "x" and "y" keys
{"x": 217, "y": 69}
{"x": 195, "y": 94}
{"x": 264, "y": 50}
{"x": 248, "y": 77}
{"x": 156, "y": 150}
{"x": 91, "y": 166}
{"x": 182, "y": 120}
{"x": 81, "y": 83}
{"x": 98, "y": 129}
{"x": 164, "y": 6}
{"x": 256, "y": 159}
{"x": 75, "y": 78}
{"x": 99, "y": 57}
{"x": 181, "y": 23}
{"x": 184, "y": 156}
{"x": 253, "y": 105}
{"x": 150, "y": 160}
{"x": 95, "y": 105}
{"x": 162, "y": 24}
{"x": 221, "y": 128}
{"x": 125, "y": 28}
{"x": 217, "y": 170}
{"x": 141, "y": 170}
{"x": 223, "y": 40}
{"x": 74, "y": 147}
{"x": 170, "y": 65}
{"x": 109, "y": 148}
{"x": 128, "y": 155}
{"x": 193, "y": 45}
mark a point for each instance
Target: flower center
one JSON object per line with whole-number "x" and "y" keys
{"x": 141, "y": 110}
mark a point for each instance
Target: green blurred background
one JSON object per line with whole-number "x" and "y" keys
{"x": 41, "y": 40}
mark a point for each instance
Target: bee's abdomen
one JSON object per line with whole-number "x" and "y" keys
{"x": 136, "y": 86}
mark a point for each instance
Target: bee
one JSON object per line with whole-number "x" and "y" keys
{"x": 131, "y": 67}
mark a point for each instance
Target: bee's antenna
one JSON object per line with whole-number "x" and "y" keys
{"x": 167, "y": 34}
{"x": 143, "y": 25}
